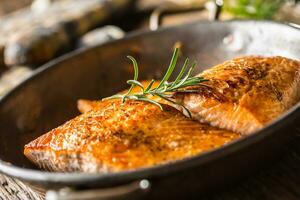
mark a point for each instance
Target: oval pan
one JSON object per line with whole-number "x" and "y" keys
{"x": 48, "y": 98}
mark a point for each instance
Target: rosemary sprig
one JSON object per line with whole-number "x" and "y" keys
{"x": 165, "y": 89}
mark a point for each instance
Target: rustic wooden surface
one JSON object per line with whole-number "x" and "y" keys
{"x": 15, "y": 189}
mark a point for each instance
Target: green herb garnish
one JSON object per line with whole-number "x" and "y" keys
{"x": 255, "y": 9}
{"x": 165, "y": 89}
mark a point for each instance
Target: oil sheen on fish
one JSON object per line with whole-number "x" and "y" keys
{"x": 245, "y": 94}
{"x": 111, "y": 136}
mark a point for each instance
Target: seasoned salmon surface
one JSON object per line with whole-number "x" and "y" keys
{"x": 245, "y": 94}
{"x": 84, "y": 105}
{"x": 111, "y": 136}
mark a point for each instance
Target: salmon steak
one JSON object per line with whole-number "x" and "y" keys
{"x": 112, "y": 136}
{"x": 239, "y": 97}
{"x": 244, "y": 94}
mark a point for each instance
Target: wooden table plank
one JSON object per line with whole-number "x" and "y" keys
{"x": 15, "y": 189}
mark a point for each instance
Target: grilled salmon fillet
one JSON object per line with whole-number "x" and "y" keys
{"x": 111, "y": 136}
{"x": 84, "y": 105}
{"x": 245, "y": 94}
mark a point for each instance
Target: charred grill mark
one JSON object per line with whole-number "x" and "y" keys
{"x": 256, "y": 71}
{"x": 277, "y": 93}
{"x": 205, "y": 91}
{"x": 218, "y": 96}
{"x": 124, "y": 141}
{"x": 232, "y": 84}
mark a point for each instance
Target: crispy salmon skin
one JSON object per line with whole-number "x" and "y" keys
{"x": 245, "y": 94}
{"x": 115, "y": 136}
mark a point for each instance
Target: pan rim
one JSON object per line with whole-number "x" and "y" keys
{"x": 32, "y": 175}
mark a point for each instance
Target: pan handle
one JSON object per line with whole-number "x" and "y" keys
{"x": 129, "y": 191}
{"x": 214, "y": 8}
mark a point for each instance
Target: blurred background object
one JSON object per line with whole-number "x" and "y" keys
{"x": 255, "y": 9}
{"x": 281, "y": 10}
{"x": 7, "y": 6}
{"x": 100, "y": 36}
{"x": 46, "y": 29}
{"x": 289, "y": 12}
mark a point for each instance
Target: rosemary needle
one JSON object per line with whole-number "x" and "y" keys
{"x": 165, "y": 89}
